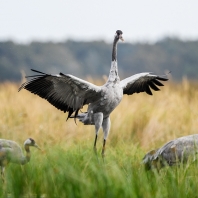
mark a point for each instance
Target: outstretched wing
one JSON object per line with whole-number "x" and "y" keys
{"x": 142, "y": 82}
{"x": 66, "y": 92}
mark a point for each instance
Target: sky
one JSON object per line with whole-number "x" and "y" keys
{"x": 24, "y": 21}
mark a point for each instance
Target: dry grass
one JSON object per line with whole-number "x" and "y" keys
{"x": 140, "y": 119}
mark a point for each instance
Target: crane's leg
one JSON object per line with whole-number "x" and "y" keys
{"x": 106, "y": 128}
{"x": 98, "y": 118}
{"x": 95, "y": 150}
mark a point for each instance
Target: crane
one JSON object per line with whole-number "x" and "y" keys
{"x": 172, "y": 153}
{"x": 10, "y": 151}
{"x": 69, "y": 93}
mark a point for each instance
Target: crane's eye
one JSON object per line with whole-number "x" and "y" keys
{"x": 32, "y": 141}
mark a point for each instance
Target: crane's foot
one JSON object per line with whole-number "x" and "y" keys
{"x": 103, "y": 153}
{"x": 95, "y": 150}
{"x": 96, "y": 153}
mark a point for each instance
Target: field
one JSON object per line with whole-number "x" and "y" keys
{"x": 67, "y": 165}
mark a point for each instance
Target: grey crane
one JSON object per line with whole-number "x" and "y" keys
{"x": 172, "y": 153}
{"x": 10, "y": 151}
{"x": 69, "y": 93}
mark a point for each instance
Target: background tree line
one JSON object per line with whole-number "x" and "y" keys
{"x": 93, "y": 58}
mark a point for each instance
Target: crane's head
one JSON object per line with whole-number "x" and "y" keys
{"x": 118, "y": 35}
{"x": 30, "y": 142}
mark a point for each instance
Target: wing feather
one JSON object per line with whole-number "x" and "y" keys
{"x": 152, "y": 85}
{"x": 148, "y": 91}
{"x": 142, "y": 82}
{"x": 158, "y": 83}
{"x": 66, "y": 92}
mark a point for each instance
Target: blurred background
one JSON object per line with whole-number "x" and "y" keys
{"x": 76, "y": 37}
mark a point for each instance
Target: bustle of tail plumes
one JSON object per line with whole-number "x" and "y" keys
{"x": 84, "y": 118}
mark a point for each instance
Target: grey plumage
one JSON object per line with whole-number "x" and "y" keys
{"x": 69, "y": 93}
{"x": 172, "y": 153}
{"x": 10, "y": 151}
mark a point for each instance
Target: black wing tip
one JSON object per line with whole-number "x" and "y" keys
{"x": 150, "y": 94}
{"x": 21, "y": 87}
{"x": 41, "y": 74}
{"x": 34, "y": 70}
{"x": 61, "y": 74}
{"x": 164, "y": 77}
{"x": 37, "y": 75}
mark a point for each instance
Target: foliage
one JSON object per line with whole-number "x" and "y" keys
{"x": 93, "y": 58}
{"x": 67, "y": 165}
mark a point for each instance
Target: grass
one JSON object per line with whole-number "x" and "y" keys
{"x": 67, "y": 165}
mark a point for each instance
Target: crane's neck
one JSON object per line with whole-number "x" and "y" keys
{"x": 26, "y": 158}
{"x": 113, "y": 75}
{"x": 114, "y": 51}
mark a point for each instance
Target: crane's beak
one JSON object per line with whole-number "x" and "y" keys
{"x": 121, "y": 38}
{"x": 35, "y": 145}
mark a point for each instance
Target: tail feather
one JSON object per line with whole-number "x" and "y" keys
{"x": 84, "y": 118}
{"x": 81, "y": 117}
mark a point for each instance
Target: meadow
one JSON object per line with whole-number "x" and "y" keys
{"x": 67, "y": 166}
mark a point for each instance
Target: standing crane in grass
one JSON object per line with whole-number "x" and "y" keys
{"x": 10, "y": 151}
{"x": 69, "y": 93}
{"x": 172, "y": 153}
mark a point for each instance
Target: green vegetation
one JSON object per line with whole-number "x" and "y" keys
{"x": 85, "y": 59}
{"x": 76, "y": 172}
{"x": 67, "y": 165}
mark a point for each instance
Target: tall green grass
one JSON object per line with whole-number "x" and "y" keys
{"x": 67, "y": 165}
{"x": 80, "y": 173}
